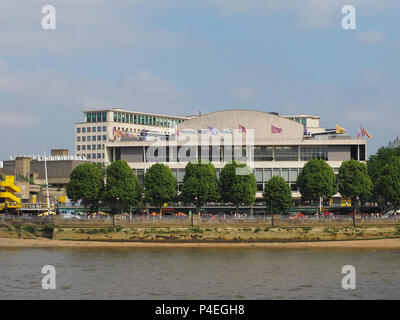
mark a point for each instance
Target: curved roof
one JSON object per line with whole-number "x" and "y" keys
{"x": 266, "y": 126}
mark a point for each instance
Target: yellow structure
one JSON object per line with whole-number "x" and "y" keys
{"x": 7, "y": 194}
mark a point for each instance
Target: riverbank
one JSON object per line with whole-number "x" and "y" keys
{"x": 393, "y": 244}
{"x": 206, "y": 234}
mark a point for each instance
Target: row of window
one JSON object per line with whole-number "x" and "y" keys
{"x": 92, "y": 155}
{"x": 96, "y": 116}
{"x": 146, "y": 119}
{"x": 226, "y": 153}
{"x": 262, "y": 176}
{"x": 91, "y": 138}
{"x": 90, "y": 147}
{"x": 91, "y": 129}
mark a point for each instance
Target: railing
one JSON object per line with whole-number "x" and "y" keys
{"x": 240, "y": 220}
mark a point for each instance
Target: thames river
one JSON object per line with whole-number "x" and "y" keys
{"x": 199, "y": 273}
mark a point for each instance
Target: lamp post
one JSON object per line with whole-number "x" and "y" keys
{"x": 272, "y": 215}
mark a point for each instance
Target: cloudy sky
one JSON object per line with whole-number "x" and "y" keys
{"x": 184, "y": 56}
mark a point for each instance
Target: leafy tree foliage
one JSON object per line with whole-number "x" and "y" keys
{"x": 317, "y": 180}
{"x": 278, "y": 195}
{"x": 354, "y": 180}
{"x": 86, "y": 184}
{"x": 200, "y": 184}
{"x": 160, "y": 185}
{"x": 237, "y": 184}
{"x": 388, "y": 183}
{"x": 376, "y": 163}
{"x": 122, "y": 189}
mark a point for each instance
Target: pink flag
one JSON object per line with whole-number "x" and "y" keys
{"x": 242, "y": 129}
{"x": 275, "y": 129}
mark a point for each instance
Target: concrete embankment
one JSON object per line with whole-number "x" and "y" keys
{"x": 225, "y": 234}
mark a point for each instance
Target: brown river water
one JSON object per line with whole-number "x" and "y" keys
{"x": 198, "y": 273}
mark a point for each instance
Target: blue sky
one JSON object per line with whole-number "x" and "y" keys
{"x": 184, "y": 56}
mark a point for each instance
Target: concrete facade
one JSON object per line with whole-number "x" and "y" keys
{"x": 272, "y": 145}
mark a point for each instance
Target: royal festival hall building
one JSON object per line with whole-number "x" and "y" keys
{"x": 269, "y": 143}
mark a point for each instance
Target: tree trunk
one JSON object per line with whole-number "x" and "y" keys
{"x": 161, "y": 212}
{"x": 237, "y": 209}
{"x": 198, "y": 209}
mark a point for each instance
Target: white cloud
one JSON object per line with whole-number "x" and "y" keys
{"x": 82, "y": 27}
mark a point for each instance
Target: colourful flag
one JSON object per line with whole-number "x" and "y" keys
{"x": 178, "y": 132}
{"x": 365, "y": 133}
{"x": 275, "y": 129}
{"x": 242, "y": 129}
{"x": 339, "y": 129}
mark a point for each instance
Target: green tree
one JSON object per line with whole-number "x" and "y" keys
{"x": 160, "y": 185}
{"x": 388, "y": 183}
{"x": 375, "y": 165}
{"x": 122, "y": 189}
{"x": 277, "y": 195}
{"x": 237, "y": 184}
{"x": 86, "y": 185}
{"x": 317, "y": 180}
{"x": 354, "y": 181}
{"x": 200, "y": 184}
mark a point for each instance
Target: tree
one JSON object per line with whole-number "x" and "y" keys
{"x": 317, "y": 180}
{"x": 376, "y": 164}
{"x": 160, "y": 185}
{"x": 354, "y": 181}
{"x": 387, "y": 184}
{"x": 122, "y": 189}
{"x": 200, "y": 184}
{"x": 278, "y": 195}
{"x": 86, "y": 184}
{"x": 237, "y": 184}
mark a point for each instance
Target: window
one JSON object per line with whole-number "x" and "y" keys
{"x": 88, "y": 129}
{"x": 88, "y": 147}
{"x": 98, "y": 129}
{"x": 83, "y": 139}
{"x": 98, "y": 116}
{"x": 78, "y": 139}
{"x": 89, "y": 138}
{"x": 104, "y": 116}
{"x": 104, "y": 128}
{"x": 88, "y": 117}
{"x": 115, "y": 117}
{"x": 102, "y": 155}
{"x": 262, "y": 153}
{"x": 104, "y": 138}
{"x": 93, "y": 147}
{"x": 286, "y": 153}
{"x": 78, "y": 148}
{"x": 93, "y": 156}
{"x": 88, "y": 156}
{"x": 78, "y": 130}
{"x": 103, "y": 147}
{"x": 93, "y": 138}
{"x": 83, "y": 147}
{"x": 311, "y": 152}
{"x": 99, "y": 147}
{"x": 98, "y": 138}
{"x": 83, "y": 130}
{"x": 119, "y": 117}
{"x": 94, "y": 129}
{"x": 99, "y": 156}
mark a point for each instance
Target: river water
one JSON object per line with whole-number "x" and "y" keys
{"x": 198, "y": 273}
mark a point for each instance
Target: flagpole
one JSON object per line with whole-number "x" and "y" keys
{"x": 47, "y": 182}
